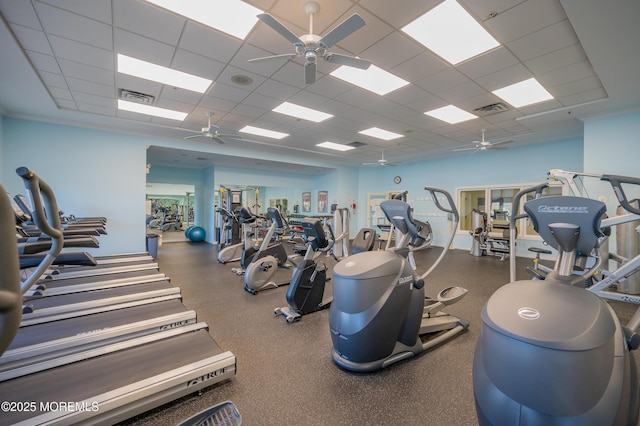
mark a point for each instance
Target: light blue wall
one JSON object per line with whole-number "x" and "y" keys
{"x": 612, "y": 146}
{"x": 102, "y": 173}
{"x": 519, "y": 165}
{"x": 94, "y": 173}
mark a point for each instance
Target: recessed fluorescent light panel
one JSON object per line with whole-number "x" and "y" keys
{"x": 151, "y": 110}
{"x": 451, "y": 114}
{"x": 451, "y": 32}
{"x": 335, "y": 146}
{"x": 263, "y": 132}
{"x": 304, "y": 113}
{"x": 160, "y": 74}
{"x": 233, "y": 17}
{"x": 373, "y": 79}
{"x": 525, "y": 93}
{"x": 381, "y": 134}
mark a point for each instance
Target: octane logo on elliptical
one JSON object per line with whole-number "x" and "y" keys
{"x": 563, "y": 209}
{"x": 528, "y": 313}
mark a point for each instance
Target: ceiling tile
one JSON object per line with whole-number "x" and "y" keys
{"x": 564, "y": 75}
{"x": 208, "y": 42}
{"x": 88, "y": 99}
{"x": 84, "y": 86}
{"x": 392, "y": 51}
{"x": 442, "y": 80}
{"x": 143, "y": 19}
{"x": 53, "y": 79}
{"x": 75, "y": 27}
{"x": 556, "y": 59}
{"x": 390, "y": 12}
{"x": 504, "y": 77}
{"x": 488, "y": 63}
{"x": 523, "y": 18}
{"x": 21, "y": 13}
{"x": 275, "y": 89}
{"x": 97, "y": 109}
{"x": 227, "y": 92}
{"x": 419, "y": 67}
{"x": 31, "y": 39}
{"x": 99, "y": 10}
{"x": 44, "y": 62}
{"x": 61, "y": 93}
{"x": 374, "y": 30}
{"x": 86, "y": 72}
{"x": 197, "y": 65}
{"x": 143, "y": 48}
{"x": 544, "y": 41}
{"x": 81, "y": 52}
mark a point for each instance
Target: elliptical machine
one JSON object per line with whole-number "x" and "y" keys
{"x": 307, "y": 292}
{"x": 380, "y": 314}
{"x": 235, "y": 252}
{"x": 551, "y": 351}
{"x": 260, "y": 272}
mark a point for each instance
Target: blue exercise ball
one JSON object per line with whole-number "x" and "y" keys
{"x": 188, "y": 230}
{"x": 197, "y": 234}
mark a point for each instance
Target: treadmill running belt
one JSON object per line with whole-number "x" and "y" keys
{"x": 90, "y": 378}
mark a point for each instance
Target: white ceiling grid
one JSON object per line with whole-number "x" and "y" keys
{"x": 72, "y": 46}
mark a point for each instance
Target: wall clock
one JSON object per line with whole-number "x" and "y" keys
{"x": 397, "y": 179}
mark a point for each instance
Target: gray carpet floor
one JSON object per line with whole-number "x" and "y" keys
{"x": 285, "y": 374}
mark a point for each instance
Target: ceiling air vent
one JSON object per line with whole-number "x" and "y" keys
{"x": 491, "y": 109}
{"x": 141, "y": 98}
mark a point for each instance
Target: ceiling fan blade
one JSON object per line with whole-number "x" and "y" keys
{"x": 228, "y": 136}
{"x": 466, "y": 149}
{"x": 502, "y": 148}
{"x": 501, "y": 142}
{"x": 336, "y": 58}
{"x": 351, "y": 24}
{"x": 274, "y": 57}
{"x": 371, "y": 164}
{"x": 194, "y": 136}
{"x": 218, "y": 139}
{"x": 280, "y": 29}
{"x": 309, "y": 73}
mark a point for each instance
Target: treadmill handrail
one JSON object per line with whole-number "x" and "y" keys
{"x": 45, "y": 215}
{"x": 10, "y": 294}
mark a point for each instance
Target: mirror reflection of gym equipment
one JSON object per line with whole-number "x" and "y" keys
{"x": 169, "y": 210}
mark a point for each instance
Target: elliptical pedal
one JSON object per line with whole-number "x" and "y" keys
{"x": 451, "y": 295}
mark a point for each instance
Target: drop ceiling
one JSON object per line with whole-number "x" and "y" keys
{"x": 59, "y": 65}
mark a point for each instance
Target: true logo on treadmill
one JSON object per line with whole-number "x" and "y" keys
{"x": 209, "y": 376}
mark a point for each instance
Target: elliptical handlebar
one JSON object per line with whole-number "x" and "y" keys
{"x": 45, "y": 215}
{"x": 515, "y": 206}
{"x": 616, "y": 181}
{"x": 452, "y": 207}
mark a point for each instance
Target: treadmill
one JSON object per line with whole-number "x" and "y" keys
{"x": 111, "y": 383}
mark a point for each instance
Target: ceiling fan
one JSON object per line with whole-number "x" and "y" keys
{"x": 483, "y": 145}
{"x": 213, "y": 132}
{"x": 311, "y": 46}
{"x": 382, "y": 162}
